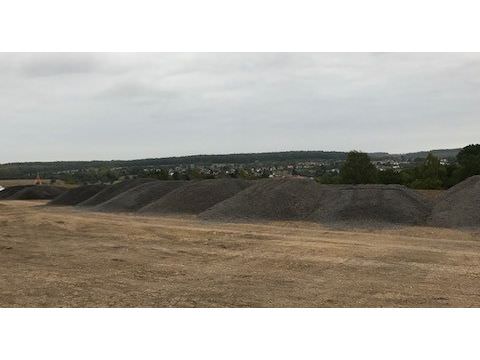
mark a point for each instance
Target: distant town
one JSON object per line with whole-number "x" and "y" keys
{"x": 324, "y": 166}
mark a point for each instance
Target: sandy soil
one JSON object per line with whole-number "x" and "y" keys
{"x": 15, "y": 182}
{"x": 61, "y": 257}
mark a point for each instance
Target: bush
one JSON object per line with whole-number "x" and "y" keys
{"x": 469, "y": 160}
{"x": 358, "y": 169}
{"x": 389, "y": 176}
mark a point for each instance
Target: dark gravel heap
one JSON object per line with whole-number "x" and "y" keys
{"x": 270, "y": 199}
{"x": 459, "y": 206}
{"x": 371, "y": 205}
{"x": 9, "y": 191}
{"x": 139, "y": 196}
{"x": 111, "y": 191}
{"x": 77, "y": 195}
{"x": 196, "y": 196}
{"x": 40, "y": 192}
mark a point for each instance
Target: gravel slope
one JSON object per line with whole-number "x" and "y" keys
{"x": 459, "y": 206}
{"x": 196, "y": 196}
{"x": 270, "y": 199}
{"x": 9, "y": 191}
{"x": 139, "y": 196}
{"x": 41, "y": 192}
{"x": 372, "y": 205}
{"x": 112, "y": 191}
{"x": 77, "y": 195}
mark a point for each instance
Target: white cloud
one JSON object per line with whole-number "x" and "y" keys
{"x": 103, "y": 106}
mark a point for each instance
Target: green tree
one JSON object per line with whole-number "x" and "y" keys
{"x": 453, "y": 175}
{"x": 358, "y": 169}
{"x": 431, "y": 167}
{"x": 430, "y": 174}
{"x": 329, "y": 178}
{"x": 389, "y": 176}
{"x": 469, "y": 160}
{"x": 408, "y": 176}
{"x": 243, "y": 174}
{"x": 110, "y": 177}
{"x": 194, "y": 174}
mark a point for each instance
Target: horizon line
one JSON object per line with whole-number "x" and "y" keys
{"x": 226, "y": 154}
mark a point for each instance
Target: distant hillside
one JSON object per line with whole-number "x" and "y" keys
{"x": 15, "y": 170}
{"x": 30, "y": 169}
{"x": 441, "y": 153}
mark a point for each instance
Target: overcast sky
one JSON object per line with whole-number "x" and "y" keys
{"x": 82, "y": 106}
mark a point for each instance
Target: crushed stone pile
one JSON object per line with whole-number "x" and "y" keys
{"x": 139, "y": 196}
{"x": 270, "y": 199}
{"x": 112, "y": 191}
{"x": 9, "y": 191}
{"x": 197, "y": 196}
{"x": 41, "y": 192}
{"x": 459, "y": 206}
{"x": 371, "y": 205}
{"x": 77, "y": 195}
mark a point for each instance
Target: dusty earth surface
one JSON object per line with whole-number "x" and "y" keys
{"x": 16, "y": 182}
{"x": 65, "y": 257}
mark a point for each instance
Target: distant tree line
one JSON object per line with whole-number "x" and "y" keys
{"x": 354, "y": 168}
{"x": 48, "y": 169}
{"x": 30, "y": 169}
{"x": 429, "y": 174}
{"x": 109, "y": 176}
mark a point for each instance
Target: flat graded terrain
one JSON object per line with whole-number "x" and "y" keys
{"x": 65, "y": 257}
{"x": 17, "y": 182}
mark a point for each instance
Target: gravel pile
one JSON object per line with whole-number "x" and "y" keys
{"x": 9, "y": 191}
{"x": 111, "y": 191}
{"x": 270, "y": 199}
{"x": 77, "y": 195}
{"x": 195, "y": 197}
{"x": 371, "y": 205}
{"x": 139, "y": 196}
{"x": 459, "y": 206}
{"x": 41, "y": 192}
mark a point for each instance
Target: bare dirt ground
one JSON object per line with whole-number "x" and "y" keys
{"x": 15, "y": 182}
{"x": 61, "y": 257}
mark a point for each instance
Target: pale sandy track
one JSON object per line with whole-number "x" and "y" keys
{"x": 64, "y": 257}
